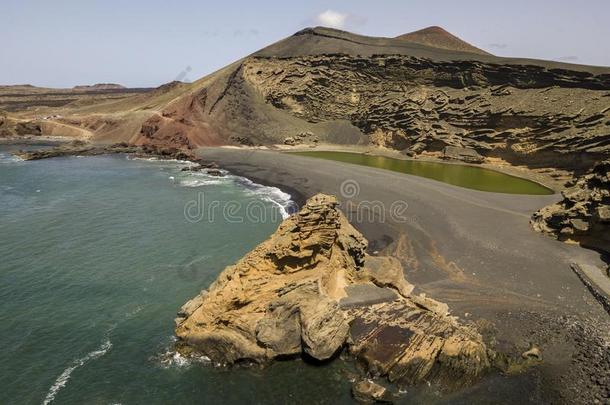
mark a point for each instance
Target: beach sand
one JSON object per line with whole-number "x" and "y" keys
{"x": 473, "y": 250}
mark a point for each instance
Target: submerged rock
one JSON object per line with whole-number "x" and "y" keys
{"x": 311, "y": 289}
{"x": 367, "y": 392}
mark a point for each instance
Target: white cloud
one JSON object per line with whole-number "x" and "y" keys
{"x": 332, "y": 19}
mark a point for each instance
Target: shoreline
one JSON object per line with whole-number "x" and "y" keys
{"x": 441, "y": 162}
{"x": 518, "y": 282}
{"x": 36, "y": 139}
{"x": 539, "y": 176}
{"x": 66, "y": 148}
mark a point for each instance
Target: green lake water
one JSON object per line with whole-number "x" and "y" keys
{"x": 472, "y": 177}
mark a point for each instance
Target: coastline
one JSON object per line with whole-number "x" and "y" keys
{"x": 517, "y": 281}
{"x": 539, "y": 176}
{"x": 35, "y": 139}
{"x": 122, "y": 244}
{"x": 288, "y": 202}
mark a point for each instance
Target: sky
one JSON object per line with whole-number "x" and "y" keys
{"x": 63, "y": 43}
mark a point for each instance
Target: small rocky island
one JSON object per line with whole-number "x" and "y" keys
{"x": 311, "y": 290}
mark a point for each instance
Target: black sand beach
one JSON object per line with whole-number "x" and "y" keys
{"x": 473, "y": 250}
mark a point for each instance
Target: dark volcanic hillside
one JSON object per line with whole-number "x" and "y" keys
{"x": 394, "y": 92}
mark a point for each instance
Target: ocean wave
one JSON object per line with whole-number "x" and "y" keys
{"x": 199, "y": 182}
{"x": 175, "y": 359}
{"x": 9, "y": 158}
{"x": 63, "y": 378}
{"x": 160, "y": 160}
{"x": 171, "y": 358}
{"x": 283, "y": 201}
{"x": 269, "y": 193}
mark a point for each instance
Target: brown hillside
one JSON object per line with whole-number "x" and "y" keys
{"x": 345, "y": 88}
{"x": 437, "y": 37}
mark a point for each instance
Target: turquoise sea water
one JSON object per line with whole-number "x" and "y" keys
{"x": 96, "y": 257}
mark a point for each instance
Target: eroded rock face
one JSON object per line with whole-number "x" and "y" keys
{"x": 350, "y": 89}
{"x": 311, "y": 289}
{"x": 524, "y": 114}
{"x": 584, "y": 213}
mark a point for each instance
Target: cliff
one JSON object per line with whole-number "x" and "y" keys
{"x": 311, "y": 290}
{"x": 583, "y": 215}
{"x": 422, "y": 91}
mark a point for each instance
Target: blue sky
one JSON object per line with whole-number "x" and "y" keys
{"x": 63, "y": 43}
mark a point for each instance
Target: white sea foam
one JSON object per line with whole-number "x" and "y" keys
{"x": 62, "y": 380}
{"x": 172, "y": 358}
{"x": 194, "y": 182}
{"x": 274, "y": 195}
{"x": 9, "y": 158}
{"x": 268, "y": 193}
{"x": 160, "y": 160}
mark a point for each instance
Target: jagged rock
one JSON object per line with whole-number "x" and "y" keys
{"x": 242, "y": 140}
{"x": 312, "y": 289}
{"x": 214, "y": 172}
{"x": 301, "y": 138}
{"x": 463, "y": 154}
{"x": 291, "y": 141}
{"x": 367, "y": 392}
{"x": 28, "y": 128}
{"x": 193, "y": 168}
{"x": 584, "y": 213}
{"x": 418, "y": 147}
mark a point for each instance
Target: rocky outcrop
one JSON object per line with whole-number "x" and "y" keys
{"x": 522, "y": 113}
{"x": 311, "y": 290}
{"x": 28, "y": 128}
{"x": 369, "y": 392}
{"x": 462, "y": 154}
{"x": 11, "y": 127}
{"x": 82, "y": 148}
{"x": 301, "y": 138}
{"x": 584, "y": 213}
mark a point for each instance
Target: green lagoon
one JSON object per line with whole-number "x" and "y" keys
{"x": 476, "y": 178}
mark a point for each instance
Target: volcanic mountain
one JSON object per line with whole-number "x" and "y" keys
{"x": 437, "y": 37}
{"x": 420, "y": 91}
